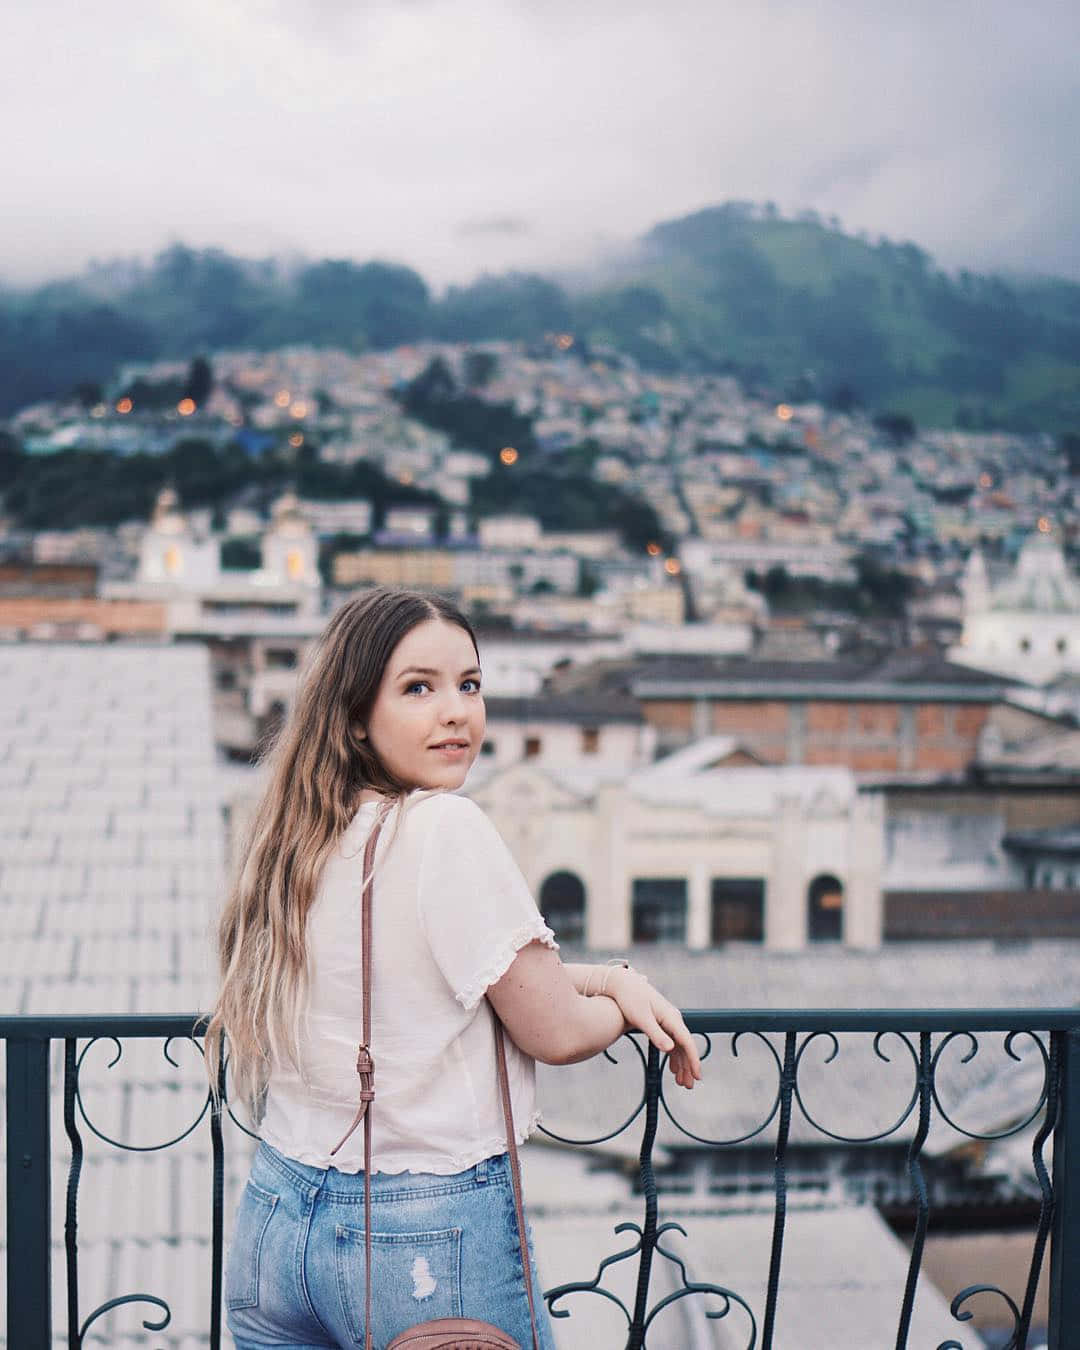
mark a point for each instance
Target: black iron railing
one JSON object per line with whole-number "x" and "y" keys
{"x": 917, "y": 1043}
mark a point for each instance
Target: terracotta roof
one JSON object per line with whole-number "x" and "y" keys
{"x": 581, "y": 709}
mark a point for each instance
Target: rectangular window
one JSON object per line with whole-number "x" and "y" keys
{"x": 281, "y": 658}
{"x": 532, "y": 746}
{"x": 973, "y": 838}
{"x": 590, "y": 740}
{"x": 658, "y": 909}
{"x": 738, "y": 909}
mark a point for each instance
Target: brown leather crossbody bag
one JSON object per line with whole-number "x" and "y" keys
{"x": 444, "y": 1333}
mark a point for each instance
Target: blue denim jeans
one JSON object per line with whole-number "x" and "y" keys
{"x": 441, "y": 1246}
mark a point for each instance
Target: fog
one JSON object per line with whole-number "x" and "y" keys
{"x": 459, "y": 135}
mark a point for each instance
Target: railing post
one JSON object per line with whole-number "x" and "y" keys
{"x": 29, "y": 1203}
{"x": 1065, "y": 1242}
{"x": 636, "y": 1334}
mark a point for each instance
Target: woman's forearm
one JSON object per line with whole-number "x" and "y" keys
{"x": 598, "y": 1023}
{"x": 579, "y": 974}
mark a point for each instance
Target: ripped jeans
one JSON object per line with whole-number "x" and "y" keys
{"x": 441, "y": 1246}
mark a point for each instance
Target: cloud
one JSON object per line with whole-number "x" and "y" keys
{"x": 459, "y": 135}
{"x": 495, "y": 225}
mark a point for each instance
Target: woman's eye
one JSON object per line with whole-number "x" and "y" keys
{"x": 475, "y": 686}
{"x": 420, "y": 684}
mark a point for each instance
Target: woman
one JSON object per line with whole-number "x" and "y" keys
{"x": 390, "y": 715}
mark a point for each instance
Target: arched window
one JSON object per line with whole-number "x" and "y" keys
{"x": 562, "y": 903}
{"x": 825, "y": 909}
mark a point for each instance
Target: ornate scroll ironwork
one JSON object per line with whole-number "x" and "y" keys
{"x": 74, "y": 1107}
{"x": 927, "y": 1041}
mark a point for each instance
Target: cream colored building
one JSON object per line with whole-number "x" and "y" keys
{"x": 692, "y": 852}
{"x": 424, "y": 567}
{"x": 509, "y": 532}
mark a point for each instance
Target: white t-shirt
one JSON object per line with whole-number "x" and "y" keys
{"x": 451, "y": 911}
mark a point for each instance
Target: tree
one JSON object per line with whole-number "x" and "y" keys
{"x": 898, "y": 426}
{"x": 200, "y": 381}
{"x": 11, "y": 457}
{"x": 842, "y": 398}
{"x": 881, "y": 590}
{"x": 777, "y": 582}
{"x": 376, "y": 304}
{"x": 518, "y": 305}
{"x": 87, "y": 393}
{"x": 1070, "y": 448}
{"x": 479, "y": 368}
{"x": 435, "y": 384}
{"x": 588, "y": 581}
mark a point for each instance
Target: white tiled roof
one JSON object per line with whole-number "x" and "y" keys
{"x": 111, "y": 867}
{"x": 841, "y": 1281}
{"x": 111, "y": 835}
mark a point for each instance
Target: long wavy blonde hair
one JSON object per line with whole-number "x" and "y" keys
{"x": 317, "y": 767}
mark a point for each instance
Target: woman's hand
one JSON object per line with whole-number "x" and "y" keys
{"x": 648, "y": 1010}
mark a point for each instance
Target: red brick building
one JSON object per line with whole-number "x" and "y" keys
{"x": 906, "y": 712}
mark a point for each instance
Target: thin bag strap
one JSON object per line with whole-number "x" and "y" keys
{"x": 515, "y": 1166}
{"x": 367, "y": 1096}
{"x": 365, "y": 941}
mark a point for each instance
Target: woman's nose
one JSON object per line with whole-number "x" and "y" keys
{"x": 453, "y": 706}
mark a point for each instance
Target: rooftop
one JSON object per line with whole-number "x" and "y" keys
{"x": 898, "y": 674}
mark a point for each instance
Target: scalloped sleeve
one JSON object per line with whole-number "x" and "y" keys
{"x": 475, "y": 907}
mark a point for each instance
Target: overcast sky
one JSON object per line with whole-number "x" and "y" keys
{"x": 459, "y": 135}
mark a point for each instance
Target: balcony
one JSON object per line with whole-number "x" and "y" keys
{"x": 658, "y": 1287}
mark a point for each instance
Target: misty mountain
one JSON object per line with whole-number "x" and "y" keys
{"x": 794, "y": 306}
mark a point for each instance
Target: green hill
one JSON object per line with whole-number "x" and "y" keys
{"x": 795, "y": 306}
{"x": 800, "y": 304}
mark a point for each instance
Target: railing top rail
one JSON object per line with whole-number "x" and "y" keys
{"x": 44, "y": 1027}
{"x": 48, "y": 1027}
{"x": 882, "y": 1019}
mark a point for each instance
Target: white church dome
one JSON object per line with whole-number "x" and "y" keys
{"x": 1040, "y": 583}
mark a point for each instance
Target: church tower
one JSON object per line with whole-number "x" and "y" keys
{"x": 290, "y": 555}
